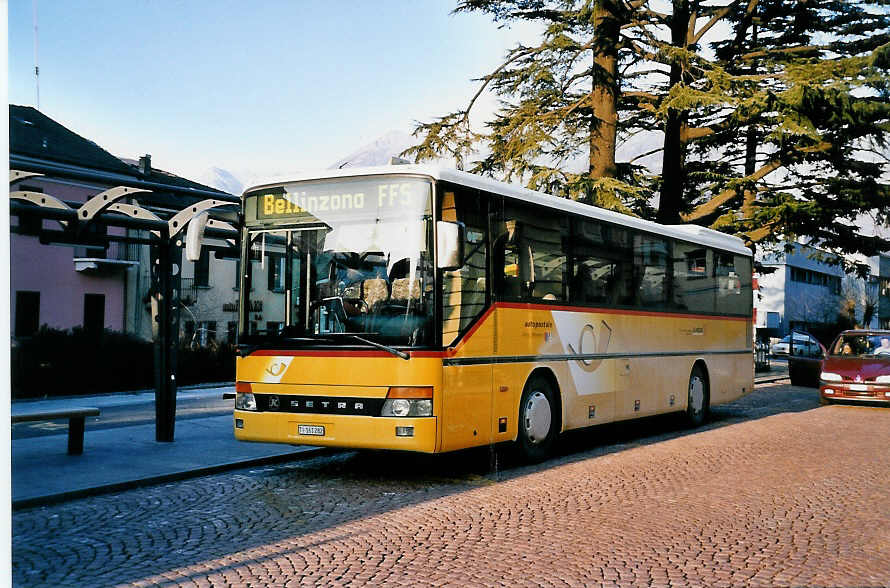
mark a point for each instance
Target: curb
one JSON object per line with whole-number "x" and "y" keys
{"x": 205, "y": 385}
{"x": 302, "y": 454}
{"x": 770, "y": 379}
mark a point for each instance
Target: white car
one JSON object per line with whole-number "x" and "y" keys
{"x": 803, "y": 345}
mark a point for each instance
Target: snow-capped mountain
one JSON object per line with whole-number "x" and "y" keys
{"x": 378, "y": 152}
{"x": 222, "y": 179}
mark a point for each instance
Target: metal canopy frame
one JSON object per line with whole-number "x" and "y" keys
{"x": 109, "y": 209}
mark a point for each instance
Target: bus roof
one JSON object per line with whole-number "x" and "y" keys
{"x": 693, "y": 233}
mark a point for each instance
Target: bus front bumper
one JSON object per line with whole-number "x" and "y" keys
{"x": 327, "y": 430}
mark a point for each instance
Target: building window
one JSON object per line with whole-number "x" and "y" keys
{"x": 97, "y": 250}
{"x": 200, "y": 333}
{"x": 696, "y": 264}
{"x": 202, "y": 270}
{"x": 206, "y": 332}
{"x": 94, "y": 313}
{"x": 806, "y": 276}
{"x": 27, "y": 313}
{"x": 231, "y": 331}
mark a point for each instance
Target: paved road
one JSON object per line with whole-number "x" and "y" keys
{"x": 775, "y": 491}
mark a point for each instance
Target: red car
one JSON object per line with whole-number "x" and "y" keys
{"x": 857, "y": 367}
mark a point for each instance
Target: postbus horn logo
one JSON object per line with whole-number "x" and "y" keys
{"x": 600, "y": 345}
{"x": 276, "y": 369}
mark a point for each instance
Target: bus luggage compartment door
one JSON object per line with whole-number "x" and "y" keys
{"x": 466, "y": 406}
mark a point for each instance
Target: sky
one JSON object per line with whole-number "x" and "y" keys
{"x": 255, "y": 88}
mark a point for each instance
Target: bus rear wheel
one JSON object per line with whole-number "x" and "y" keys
{"x": 537, "y": 420}
{"x": 698, "y": 402}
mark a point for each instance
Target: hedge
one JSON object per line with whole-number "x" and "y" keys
{"x": 60, "y": 362}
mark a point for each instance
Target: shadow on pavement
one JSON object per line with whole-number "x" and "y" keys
{"x": 253, "y": 515}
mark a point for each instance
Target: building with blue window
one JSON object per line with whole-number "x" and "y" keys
{"x": 802, "y": 288}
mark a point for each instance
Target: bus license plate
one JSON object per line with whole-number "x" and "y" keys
{"x": 317, "y": 430}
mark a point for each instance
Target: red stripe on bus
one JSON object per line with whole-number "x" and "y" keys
{"x": 506, "y": 305}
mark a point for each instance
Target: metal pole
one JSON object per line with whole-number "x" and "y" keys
{"x": 166, "y": 261}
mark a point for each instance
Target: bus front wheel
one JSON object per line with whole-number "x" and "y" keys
{"x": 697, "y": 405}
{"x": 537, "y": 420}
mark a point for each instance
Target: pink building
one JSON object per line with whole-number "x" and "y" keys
{"x": 101, "y": 287}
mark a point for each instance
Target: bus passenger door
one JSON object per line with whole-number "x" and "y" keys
{"x": 466, "y": 406}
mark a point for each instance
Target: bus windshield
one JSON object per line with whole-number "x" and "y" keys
{"x": 343, "y": 262}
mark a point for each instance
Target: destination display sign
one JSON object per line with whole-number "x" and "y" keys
{"x": 384, "y": 197}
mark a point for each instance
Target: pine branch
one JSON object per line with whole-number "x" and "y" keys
{"x": 719, "y": 15}
{"x": 782, "y": 51}
{"x": 647, "y": 154}
{"x": 711, "y": 206}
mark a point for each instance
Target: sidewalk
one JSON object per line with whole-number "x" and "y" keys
{"x": 776, "y": 372}
{"x": 125, "y": 457}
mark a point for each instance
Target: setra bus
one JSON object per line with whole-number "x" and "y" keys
{"x": 427, "y": 309}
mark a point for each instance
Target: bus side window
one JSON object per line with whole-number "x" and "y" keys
{"x": 651, "y": 255}
{"x": 532, "y": 243}
{"x": 693, "y": 281}
{"x": 593, "y": 277}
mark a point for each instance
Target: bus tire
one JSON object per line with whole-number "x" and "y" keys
{"x": 699, "y": 398}
{"x": 538, "y": 423}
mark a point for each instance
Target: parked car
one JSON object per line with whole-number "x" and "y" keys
{"x": 857, "y": 367}
{"x": 804, "y": 344}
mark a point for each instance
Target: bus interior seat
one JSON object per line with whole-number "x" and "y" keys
{"x": 374, "y": 291}
{"x": 405, "y": 289}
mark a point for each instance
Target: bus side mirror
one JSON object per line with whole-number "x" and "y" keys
{"x": 450, "y": 239}
{"x": 194, "y": 236}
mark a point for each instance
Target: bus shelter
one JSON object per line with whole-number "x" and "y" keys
{"x": 161, "y": 211}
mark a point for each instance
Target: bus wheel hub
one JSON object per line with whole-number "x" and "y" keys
{"x": 537, "y": 417}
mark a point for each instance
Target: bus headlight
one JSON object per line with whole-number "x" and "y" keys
{"x": 404, "y": 407}
{"x": 830, "y": 377}
{"x": 408, "y": 401}
{"x": 245, "y": 401}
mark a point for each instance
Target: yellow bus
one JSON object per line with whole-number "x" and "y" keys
{"x": 428, "y": 309}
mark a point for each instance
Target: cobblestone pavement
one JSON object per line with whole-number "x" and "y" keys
{"x": 775, "y": 491}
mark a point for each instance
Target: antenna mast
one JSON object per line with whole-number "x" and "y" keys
{"x": 36, "y": 62}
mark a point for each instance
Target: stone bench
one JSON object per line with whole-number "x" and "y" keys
{"x": 76, "y": 418}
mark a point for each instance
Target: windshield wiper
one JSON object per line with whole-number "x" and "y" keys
{"x": 246, "y": 349}
{"x": 386, "y": 348}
